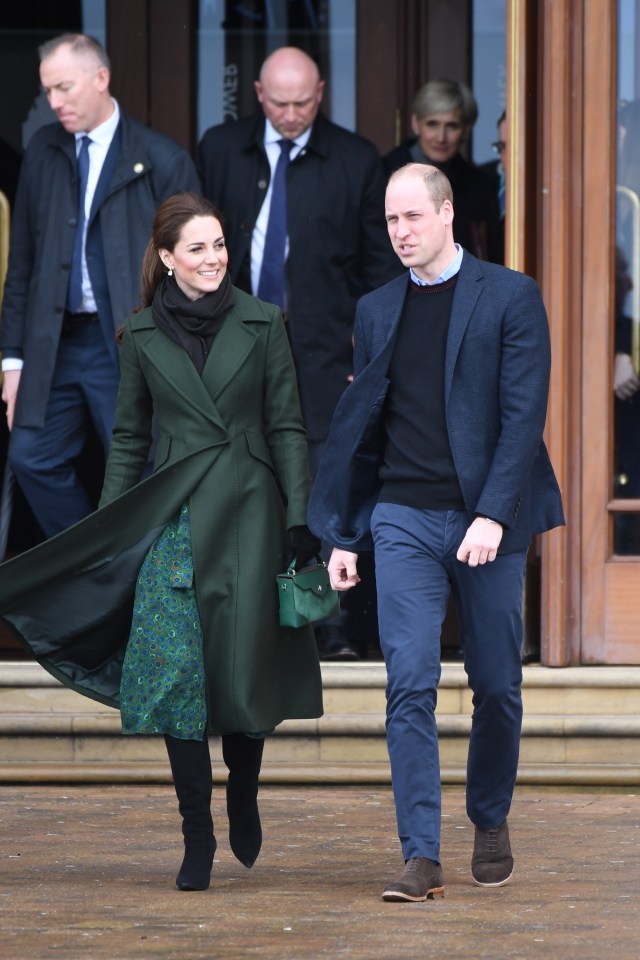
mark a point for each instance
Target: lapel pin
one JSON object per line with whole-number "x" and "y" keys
{"x": 138, "y": 167}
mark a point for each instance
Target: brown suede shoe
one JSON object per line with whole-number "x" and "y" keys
{"x": 422, "y": 880}
{"x": 492, "y": 863}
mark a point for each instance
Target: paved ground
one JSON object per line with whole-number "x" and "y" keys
{"x": 88, "y": 872}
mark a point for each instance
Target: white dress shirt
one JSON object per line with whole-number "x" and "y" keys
{"x": 271, "y": 145}
{"x": 100, "y": 138}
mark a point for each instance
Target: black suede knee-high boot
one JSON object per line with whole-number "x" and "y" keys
{"x": 243, "y": 757}
{"x": 191, "y": 768}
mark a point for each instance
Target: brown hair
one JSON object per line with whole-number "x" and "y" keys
{"x": 170, "y": 218}
{"x": 436, "y": 182}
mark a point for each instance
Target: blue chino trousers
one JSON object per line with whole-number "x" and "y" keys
{"x": 416, "y": 568}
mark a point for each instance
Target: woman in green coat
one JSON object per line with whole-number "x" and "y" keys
{"x": 198, "y": 649}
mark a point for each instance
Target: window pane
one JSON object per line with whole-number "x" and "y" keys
{"x": 626, "y": 379}
{"x": 489, "y": 74}
{"x": 234, "y": 39}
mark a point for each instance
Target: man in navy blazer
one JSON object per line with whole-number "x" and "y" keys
{"x": 435, "y": 458}
{"x": 59, "y": 356}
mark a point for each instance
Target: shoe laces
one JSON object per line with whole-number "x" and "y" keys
{"x": 491, "y": 840}
{"x": 414, "y": 864}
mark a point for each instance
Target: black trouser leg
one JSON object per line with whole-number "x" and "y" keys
{"x": 191, "y": 768}
{"x": 243, "y": 757}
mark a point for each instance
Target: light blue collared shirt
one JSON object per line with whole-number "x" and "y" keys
{"x": 448, "y": 272}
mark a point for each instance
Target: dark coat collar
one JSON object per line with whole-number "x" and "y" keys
{"x": 133, "y": 160}
{"x": 318, "y": 141}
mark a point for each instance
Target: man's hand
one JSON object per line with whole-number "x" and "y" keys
{"x": 625, "y": 379}
{"x": 342, "y": 569}
{"x": 11, "y": 382}
{"x": 481, "y": 542}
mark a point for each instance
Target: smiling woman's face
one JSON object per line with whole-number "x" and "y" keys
{"x": 199, "y": 259}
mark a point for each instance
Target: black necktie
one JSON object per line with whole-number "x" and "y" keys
{"x": 271, "y": 284}
{"x": 74, "y": 297}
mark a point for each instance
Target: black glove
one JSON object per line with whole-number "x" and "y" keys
{"x": 302, "y": 544}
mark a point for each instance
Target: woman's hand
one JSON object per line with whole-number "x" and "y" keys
{"x": 302, "y": 544}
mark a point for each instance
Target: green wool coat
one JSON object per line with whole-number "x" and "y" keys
{"x": 231, "y": 443}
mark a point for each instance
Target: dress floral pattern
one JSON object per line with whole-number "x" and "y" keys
{"x": 162, "y": 688}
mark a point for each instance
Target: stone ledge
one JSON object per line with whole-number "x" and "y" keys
{"x": 31, "y": 674}
{"x": 46, "y": 724}
{"x": 595, "y": 774}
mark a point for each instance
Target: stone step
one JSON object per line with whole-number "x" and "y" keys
{"x": 581, "y": 725}
{"x": 359, "y": 688}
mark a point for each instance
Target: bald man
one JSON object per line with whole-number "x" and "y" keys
{"x": 336, "y": 247}
{"x": 89, "y": 187}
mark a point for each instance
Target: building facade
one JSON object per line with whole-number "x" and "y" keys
{"x": 568, "y": 74}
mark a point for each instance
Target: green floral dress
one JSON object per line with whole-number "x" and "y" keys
{"x": 162, "y": 687}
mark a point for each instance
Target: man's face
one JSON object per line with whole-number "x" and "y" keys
{"x": 290, "y": 99}
{"x": 77, "y": 88}
{"x": 439, "y": 134}
{"x": 421, "y": 237}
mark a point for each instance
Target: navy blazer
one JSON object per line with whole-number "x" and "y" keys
{"x": 497, "y": 368}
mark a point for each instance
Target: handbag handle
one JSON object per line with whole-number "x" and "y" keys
{"x": 292, "y": 564}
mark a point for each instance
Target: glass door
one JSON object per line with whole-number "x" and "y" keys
{"x": 625, "y": 505}
{"x": 234, "y": 38}
{"x": 610, "y": 355}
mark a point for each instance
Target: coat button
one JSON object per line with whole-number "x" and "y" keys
{"x": 262, "y": 184}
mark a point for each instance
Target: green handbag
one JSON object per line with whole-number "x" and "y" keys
{"x": 306, "y": 595}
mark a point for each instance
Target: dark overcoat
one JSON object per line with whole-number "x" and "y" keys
{"x": 338, "y": 242}
{"x": 142, "y": 168}
{"x": 497, "y": 367}
{"x": 231, "y": 444}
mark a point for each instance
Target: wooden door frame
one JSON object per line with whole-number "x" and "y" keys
{"x": 560, "y": 249}
{"x": 584, "y": 589}
{"x": 610, "y": 601}
{"x": 153, "y": 50}
{"x": 600, "y": 86}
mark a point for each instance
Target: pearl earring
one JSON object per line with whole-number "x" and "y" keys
{"x": 170, "y": 274}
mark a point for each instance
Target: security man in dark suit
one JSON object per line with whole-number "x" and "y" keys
{"x": 304, "y": 204}
{"x": 87, "y": 194}
{"x": 436, "y": 457}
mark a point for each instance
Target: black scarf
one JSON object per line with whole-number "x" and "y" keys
{"x": 191, "y": 323}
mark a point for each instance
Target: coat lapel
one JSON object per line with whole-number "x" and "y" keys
{"x": 468, "y": 289}
{"x": 175, "y": 365}
{"x": 230, "y": 349}
{"x": 389, "y": 302}
{"x": 108, "y": 169}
